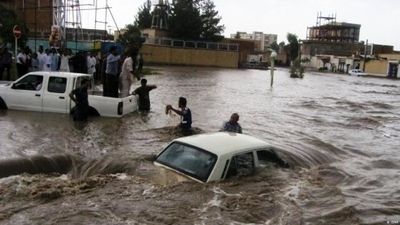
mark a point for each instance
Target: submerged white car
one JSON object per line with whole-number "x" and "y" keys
{"x": 216, "y": 156}
{"x": 356, "y": 72}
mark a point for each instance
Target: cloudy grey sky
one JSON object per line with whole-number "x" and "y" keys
{"x": 378, "y": 18}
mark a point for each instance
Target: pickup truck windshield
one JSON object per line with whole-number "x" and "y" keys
{"x": 192, "y": 161}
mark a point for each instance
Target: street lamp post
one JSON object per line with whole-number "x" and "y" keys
{"x": 273, "y": 56}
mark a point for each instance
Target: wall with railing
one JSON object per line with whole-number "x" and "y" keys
{"x": 190, "y": 53}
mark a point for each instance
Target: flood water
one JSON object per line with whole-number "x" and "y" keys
{"x": 340, "y": 134}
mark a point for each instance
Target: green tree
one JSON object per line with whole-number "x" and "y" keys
{"x": 8, "y": 19}
{"x": 131, "y": 38}
{"x": 185, "y": 21}
{"x": 143, "y": 18}
{"x": 212, "y": 30}
{"x": 275, "y": 46}
{"x": 294, "y": 46}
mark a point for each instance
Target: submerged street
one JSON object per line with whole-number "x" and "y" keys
{"x": 339, "y": 134}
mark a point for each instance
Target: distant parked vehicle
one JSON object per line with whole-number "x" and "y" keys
{"x": 357, "y": 72}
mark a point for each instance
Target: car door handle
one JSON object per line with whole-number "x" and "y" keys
{"x": 61, "y": 97}
{"x": 37, "y": 95}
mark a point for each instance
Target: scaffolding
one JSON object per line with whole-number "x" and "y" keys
{"x": 160, "y": 15}
{"x": 329, "y": 30}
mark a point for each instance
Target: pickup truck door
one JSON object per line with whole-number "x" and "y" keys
{"x": 26, "y": 93}
{"x": 55, "y": 95}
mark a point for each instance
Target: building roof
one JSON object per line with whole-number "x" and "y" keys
{"x": 339, "y": 24}
{"x": 55, "y": 73}
{"x": 222, "y": 143}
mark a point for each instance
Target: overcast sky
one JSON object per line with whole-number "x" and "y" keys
{"x": 378, "y": 18}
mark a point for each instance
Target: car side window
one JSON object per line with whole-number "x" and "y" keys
{"x": 57, "y": 84}
{"x": 241, "y": 165}
{"x": 29, "y": 83}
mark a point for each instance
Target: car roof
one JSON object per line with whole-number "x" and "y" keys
{"x": 222, "y": 143}
{"x": 56, "y": 73}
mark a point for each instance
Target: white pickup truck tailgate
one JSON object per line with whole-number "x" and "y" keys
{"x": 113, "y": 107}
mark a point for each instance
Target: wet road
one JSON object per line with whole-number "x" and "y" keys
{"x": 340, "y": 134}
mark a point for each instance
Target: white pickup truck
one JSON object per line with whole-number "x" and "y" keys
{"x": 49, "y": 92}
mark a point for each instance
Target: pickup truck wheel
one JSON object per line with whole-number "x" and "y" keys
{"x": 3, "y": 105}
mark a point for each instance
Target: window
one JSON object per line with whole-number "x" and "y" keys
{"x": 241, "y": 165}
{"x": 269, "y": 156}
{"x": 29, "y": 83}
{"x": 189, "y": 160}
{"x": 57, "y": 84}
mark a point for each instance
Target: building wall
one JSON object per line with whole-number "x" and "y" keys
{"x": 376, "y": 67}
{"x": 189, "y": 57}
{"x": 37, "y": 14}
{"x": 390, "y": 56}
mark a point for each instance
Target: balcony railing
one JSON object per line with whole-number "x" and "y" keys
{"x": 168, "y": 42}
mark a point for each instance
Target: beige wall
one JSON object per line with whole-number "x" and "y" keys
{"x": 376, "y": 67}
{"x": 189, "y": 57}
{"x": 390, "y": 56}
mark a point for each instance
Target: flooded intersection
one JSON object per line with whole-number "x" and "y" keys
{"x": 339, "y": 134}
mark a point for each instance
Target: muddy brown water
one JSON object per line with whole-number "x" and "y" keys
{"x": 339, "y": 133}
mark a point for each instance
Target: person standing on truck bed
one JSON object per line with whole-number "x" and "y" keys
{"x": 112, "y": 79}
{"x": 144, "y": 96}
{"x": 127, "y": 74}
{"x": 80, "y": 97}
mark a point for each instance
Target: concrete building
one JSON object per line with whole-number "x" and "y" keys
{"x": 38, "y": 15}
{"x": 262, "y": 41}
{"x": 332, "y": 45}
{"x": 383, "y": 65}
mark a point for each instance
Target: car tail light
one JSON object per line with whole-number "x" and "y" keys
{"x": 120, "y": 108}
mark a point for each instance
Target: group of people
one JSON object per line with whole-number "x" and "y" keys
{"x": 5, "y": 63}
{"x": 120, "y": 77}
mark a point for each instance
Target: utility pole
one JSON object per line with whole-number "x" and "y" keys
{"x": 365, "y": 55}
{"x": 273, "y": 56}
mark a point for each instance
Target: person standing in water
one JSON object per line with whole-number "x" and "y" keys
{"x": 80, "y": 97}
{"x": 232, "y": 125}
{"x": 144, "y": 95}
{"x": 186, "y": 116}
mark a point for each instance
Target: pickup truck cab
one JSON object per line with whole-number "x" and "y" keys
{"x": 49, "y": 92}
{"x": 216, "y": 156}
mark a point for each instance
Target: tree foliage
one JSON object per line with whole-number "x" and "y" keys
{"x": 185, "y": 21}
{"x": 131, "y": 38}
{"x": 212, "y": 30}
{"x": 275, "y": 46}
{"x": 294, "y": 46}
{"x": 8, "y": 19}
{"x": 143, "y": 18}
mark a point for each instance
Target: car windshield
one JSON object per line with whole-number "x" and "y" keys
{"x": 192, "y": 161}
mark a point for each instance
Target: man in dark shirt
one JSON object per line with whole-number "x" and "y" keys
{"x": 144, "y": 97}
{"x": 80, "y": 97}
{"x": 232, "y": 125}
{"x": 186, "y": 116}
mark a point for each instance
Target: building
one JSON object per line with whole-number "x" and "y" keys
{"x": 332, "y": 45}
{"x": 262, "y": 41}
{"x": 39, "y": 17}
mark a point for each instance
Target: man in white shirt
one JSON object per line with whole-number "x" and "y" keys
{"x": 126, "y": 76}
{"x": 22, "y": 67}
{"x": 41, "y": 58}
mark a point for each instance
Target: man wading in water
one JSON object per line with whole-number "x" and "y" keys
{"x": 186, "y": 116}
{"x": 232, "y": 125}
{"x": 80, "y": 97}
{"x": 144, "y": 95}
